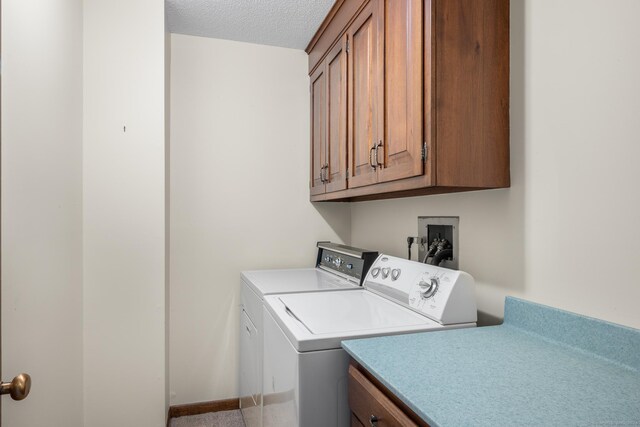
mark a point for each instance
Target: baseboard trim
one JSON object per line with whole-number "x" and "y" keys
{"x": 176, "y": 411}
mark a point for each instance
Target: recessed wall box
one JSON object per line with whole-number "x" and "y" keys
{"x": 443, "y": 229}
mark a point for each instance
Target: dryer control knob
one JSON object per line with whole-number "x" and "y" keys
{"x": 428, "y": 288}
{"x": 395, "y": 273}
{"x": 385, "y": 272}
{"x": 375, "y": 272}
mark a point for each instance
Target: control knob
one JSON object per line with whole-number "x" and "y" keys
{"x": 429, "y": 287}
{"x": 338, "y": 262}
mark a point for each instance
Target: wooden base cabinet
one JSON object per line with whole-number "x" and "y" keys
{"x": 372, "y": 405}
{"x": 423, "y": 98}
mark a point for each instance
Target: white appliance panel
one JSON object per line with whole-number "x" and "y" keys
{"x": 446, "y": 296}
{"x": 279, "y": 379}
{"x": 302, "y": 389}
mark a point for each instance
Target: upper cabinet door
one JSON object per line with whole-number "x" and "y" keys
{"x": 318, "y": 131}
{"x": 336, "y": 146}
{"x": 400, "y": 25}
{"x": 363, "y": 86}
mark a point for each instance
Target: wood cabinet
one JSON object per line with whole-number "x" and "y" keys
{"x": 364, "y": 124}
{"x": 400, "y": 50}
{"x": 427, "y": 98}
{"x": 373, "y": 405}
{"x": 318, "y": 130}
{"x": 329, "y": 122}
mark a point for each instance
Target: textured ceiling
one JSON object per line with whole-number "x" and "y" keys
{"x": 285, "y": 23}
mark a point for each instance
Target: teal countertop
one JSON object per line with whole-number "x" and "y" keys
{"x": 542, "y": 366}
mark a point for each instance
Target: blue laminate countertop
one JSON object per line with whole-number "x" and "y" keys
{"x": 542, "y": 366}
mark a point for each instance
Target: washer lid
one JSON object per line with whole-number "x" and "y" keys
{"x": 339, "y": 312}
{"x": 321, "y": 320}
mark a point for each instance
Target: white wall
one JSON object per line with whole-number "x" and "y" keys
{"x": 42, "y": 209}
{"x": 239, "y": 196}
{"x": 567, "y": 232}
{"x": 124, "y": 213}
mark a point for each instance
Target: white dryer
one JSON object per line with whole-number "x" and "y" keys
{"x": 338, "y": 268}
{"x": 305, "y": 369}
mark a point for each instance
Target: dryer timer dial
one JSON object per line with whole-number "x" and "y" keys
{"x": 428, "y": 287}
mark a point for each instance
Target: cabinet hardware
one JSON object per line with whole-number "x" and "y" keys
{"x": 373, "y": 420}
{"x": 424, "y": 151}
{"x": 378, "y": 163}
{"x": 371, "y": 152}
{"x": 326, "y": 172}
{"x": 347, "y": 47}
{"x": 322, "y": 174}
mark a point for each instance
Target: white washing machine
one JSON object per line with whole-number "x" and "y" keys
{"x": 305, "y": 369}
{"x": 338, "y": 268}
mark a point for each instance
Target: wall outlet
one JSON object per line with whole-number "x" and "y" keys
{"x": 439, "y": 227}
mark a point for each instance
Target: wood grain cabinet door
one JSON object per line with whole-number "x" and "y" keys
{"x": 318, "y": 130}
{"x": 336, "y": 133}
{"x": 400, "y": 44}
{"x": 363, "y": 85}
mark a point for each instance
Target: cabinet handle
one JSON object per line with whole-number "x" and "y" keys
{"x": 326, "y": 173}
{"x": 322, "y": 174}
{"x": 377, "y": 147}
{"x": 373, "y": 420}
{"x": 371, "y": 152}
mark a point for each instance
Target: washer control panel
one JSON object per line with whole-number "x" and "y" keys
{"x": 345, "y": 261}
{"x": 345, "y": 264}
{"x": 444, "y": 295}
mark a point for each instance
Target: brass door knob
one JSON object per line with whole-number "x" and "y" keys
{"x": 18, "y": 388}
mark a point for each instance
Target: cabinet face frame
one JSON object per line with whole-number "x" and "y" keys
{"x": 429, "y": 88}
